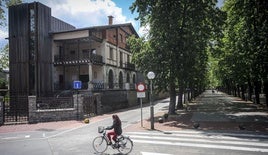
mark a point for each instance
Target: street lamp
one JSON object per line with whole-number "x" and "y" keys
{"x": 151, "y": 76}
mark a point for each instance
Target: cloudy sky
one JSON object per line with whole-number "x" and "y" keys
{"x": 86, "y": 13}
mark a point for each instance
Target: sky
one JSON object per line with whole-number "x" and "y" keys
{"x": 87, "y": 13}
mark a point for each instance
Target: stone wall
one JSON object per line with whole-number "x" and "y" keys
{"x": 46, "y": 115}
{"x": 117, "y": 99}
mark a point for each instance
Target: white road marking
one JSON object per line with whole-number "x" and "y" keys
{"x": 202, "y": 140}
{"x": 153, "y": 153}
{"x": 8, "y": 138}
{"x": 228, "y": 141}
{"x": 27, "y": 136}
{"x": 203, "y": 145}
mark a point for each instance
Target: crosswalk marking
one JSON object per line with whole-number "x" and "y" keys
{"x": 228, "y": 141}
{"x": 153, "y": 153}
{"x": 202, "y": 140}
{"x": 203, "y": 145}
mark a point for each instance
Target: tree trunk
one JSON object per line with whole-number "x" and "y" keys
{"x": 243, "y": 92}
{"x": 179, "y": 104}
{"x": 265, "y": 89}
{"x": 238, "y": 91}
{"x": 250, "y": 90}
{"x": 172, "y": 103}
{"x": 257, "y": 91}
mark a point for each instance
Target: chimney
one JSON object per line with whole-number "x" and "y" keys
{"x": 110, "y": 20}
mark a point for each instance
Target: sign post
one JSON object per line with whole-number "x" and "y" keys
{"x": 77, "y": 85}
{"x": 151, "y": 76}
{"x": 141, "y": 94}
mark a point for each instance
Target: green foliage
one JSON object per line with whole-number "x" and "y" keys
{"x": 3, "y": 5}
{"x": 4, "y": 55}
{"x": 180, "y": 32}
{"x": 245, "y": 54}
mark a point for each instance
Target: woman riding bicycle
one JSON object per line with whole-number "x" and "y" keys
{"x": 117, "y": 129}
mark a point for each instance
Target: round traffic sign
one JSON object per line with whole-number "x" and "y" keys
{"x": 140, "y": 87}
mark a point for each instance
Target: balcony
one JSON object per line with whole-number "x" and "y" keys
{"x": 129, "y": 66}
{"x": 84, "y": 59}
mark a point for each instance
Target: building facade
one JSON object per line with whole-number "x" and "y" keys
{"x": 47, "y": 54}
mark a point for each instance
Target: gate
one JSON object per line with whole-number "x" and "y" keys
{"x": 90, "y": 105}
{"x": 16, "y": 110}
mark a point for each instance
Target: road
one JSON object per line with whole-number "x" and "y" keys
{"x": 72, "y": 141}
{"x": 78, "y": 140}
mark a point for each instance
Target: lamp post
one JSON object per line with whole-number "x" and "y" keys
{"x": 151, "y": 76}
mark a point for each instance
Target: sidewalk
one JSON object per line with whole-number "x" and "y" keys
{"x": 216, "y": 112}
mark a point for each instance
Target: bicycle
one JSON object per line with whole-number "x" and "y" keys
{"x": 123, "y": 143}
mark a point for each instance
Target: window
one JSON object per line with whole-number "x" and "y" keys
{"x": 85, "y": 53}
{"x": 134, "y": 78}
{"x": 121, "y": 59}
{"x": 128, "y": 78}
{"x": 60, "y": 51}
{"x": 121, "y": 80}
{"x": 121, "y": 38}
{"x": 111, "y": 55}
{"x": 128, "y": 58}
{"x": 111, "y": 79}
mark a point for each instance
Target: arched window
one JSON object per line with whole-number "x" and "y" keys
{"x": 111, "y": 79}
{"x": 134, "y": 78}
{"x": 121, "y": 80}
{"x": 128, "y": 78}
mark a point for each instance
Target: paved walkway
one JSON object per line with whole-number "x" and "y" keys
{"x": 211, "y": 111}
{"x": 214, "y": 111}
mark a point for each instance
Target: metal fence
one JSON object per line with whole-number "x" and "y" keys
{"x": 16, "y": 109}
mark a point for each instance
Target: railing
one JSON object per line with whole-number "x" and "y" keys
{"x": 129, "y": 66}
{"x": 93, "y": 58}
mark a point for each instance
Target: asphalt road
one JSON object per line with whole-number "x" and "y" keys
{"x": 78, "y": 140}
{"x": 66, "y": 142}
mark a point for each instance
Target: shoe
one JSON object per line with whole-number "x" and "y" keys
{"x": 109, "y": 143}
{"x": 116, "y": 145}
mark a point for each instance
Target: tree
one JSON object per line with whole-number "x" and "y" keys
{"x": 244, "y": 62}
{"x": 180, "y": 31}
{"x": 4, "y": 61}
{"x": 3, "y": 5}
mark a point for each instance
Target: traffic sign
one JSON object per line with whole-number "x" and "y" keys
{"x": 77, "y": 84}
{"x": 140, "y": 87}
{"x": 140, "y": 94}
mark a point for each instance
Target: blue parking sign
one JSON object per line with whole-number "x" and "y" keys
{"x": 77, "y": 84}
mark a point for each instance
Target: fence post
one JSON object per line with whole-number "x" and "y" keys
{"x": 78, "y": 106}
{"x": 1, "y": 110}
{"x": 32, "y": 109}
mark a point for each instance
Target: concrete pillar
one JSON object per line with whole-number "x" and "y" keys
{"x": 90, "y": 85}
{"x": 78, "y": 106}
{"x": 32, "y": 109}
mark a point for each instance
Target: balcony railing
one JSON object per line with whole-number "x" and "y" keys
{"x": 92, "y": 58}
{"x": 129, "y": 66}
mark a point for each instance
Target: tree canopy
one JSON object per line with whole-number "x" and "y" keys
{"x": 176, "y": 47}
{"x": 4, "y": 4}
{"x": 244, "y": 56}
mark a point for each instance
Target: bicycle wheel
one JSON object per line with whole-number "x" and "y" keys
{"x": 100, "y": 144}
{"x": 125, "y": 145}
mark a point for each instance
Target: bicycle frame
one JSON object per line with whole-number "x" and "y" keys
{"x": 120, "y": 142}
